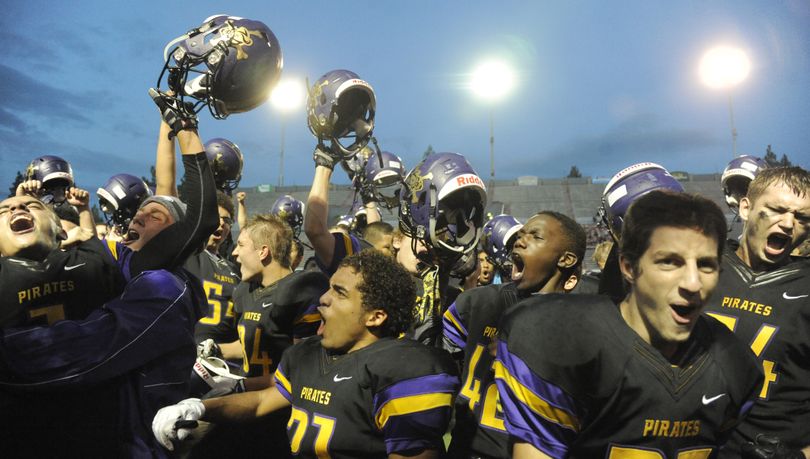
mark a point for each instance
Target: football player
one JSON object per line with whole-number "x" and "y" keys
{"x": 380, "y": 235}
{"x": 547, "y": 251}
{"x": 579, "y": 377}
{"x": 763, "y": 297}
{"x": 356, "y": 390}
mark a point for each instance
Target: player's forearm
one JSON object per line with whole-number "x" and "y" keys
{"x": 189, "y": 141}
{"x": 86, "y": 223}
{"x": 258, "y": 383}
{"x": 165, "y": 165}
{"x": 242, "y": 215}
{"x": 372, "y": 213}
{"x": 243, "y": 407}
{"x": 527, "y": 451}
{"x": 231, "y": 351}
{"x": 317, "y": 214}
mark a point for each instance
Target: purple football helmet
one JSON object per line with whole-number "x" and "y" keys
{"x": 498, "y": 237}
{"x": 737, "y": 176}
{"x": 382, "y": 183}
{"x": 225, "y": 159}
{"x": 628, "y": 185}
{"x": 341, "y": 106}
{"x": 55, "y": 174}
{"x": 238, "y": 61}
{"x": 442, "y": 204}
{"x": 120, "y": 198}
{"x": 290, "y": 210}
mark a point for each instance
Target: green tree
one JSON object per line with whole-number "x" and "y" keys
{"x": 428, "y": 152}
{"x": 17, "y": 180}
{"x": 785, "y": 162}
{"x": 574, "y": 172}
{"x": 772, "y": 161}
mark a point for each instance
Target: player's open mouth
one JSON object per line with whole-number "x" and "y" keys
{"x": 517, "y": 267}
{"x": 323, "y": 322}
{"x": 21, "y": 223}
{"x": 776, "y": 243}
{"x": 131, "y": 237}
{"x": 684, "y": 314}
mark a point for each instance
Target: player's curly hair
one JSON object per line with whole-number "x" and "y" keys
{"x": 224, "y": 201}
{"x": 386, "y": 285}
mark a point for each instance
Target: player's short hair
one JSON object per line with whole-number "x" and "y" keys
{"x": 373, "y": 232}
{"x": 795, "y": 178}
{"x": 576, "y": 241}
{"x": 386, "y": 285}
{"x": 224, "y": 201}
{"x": 272, "y": 231}
{"x": 666, "y": 208}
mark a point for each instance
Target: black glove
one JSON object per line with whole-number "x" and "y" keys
{"x": 323, "y": 156}
{"x": 178, "y": 115}
{"x": 769, "y": 447}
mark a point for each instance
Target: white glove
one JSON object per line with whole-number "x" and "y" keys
{"x": 208, "y": 348}
{"x": 164, "y": 424}
{"x": 214, "y": 372}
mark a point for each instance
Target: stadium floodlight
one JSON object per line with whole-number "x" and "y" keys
{"x": 724, "y": 67}
{"x": 288, "y": 95}
{"x": 492, "y": 81}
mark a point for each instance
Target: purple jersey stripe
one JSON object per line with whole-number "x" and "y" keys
{"x": 430, "y": 384}
{"x": 283, "y": 384}
{"x": 415, "y": 431}
{"x": 453, "y": 327}
{"x": 548, "y": 392}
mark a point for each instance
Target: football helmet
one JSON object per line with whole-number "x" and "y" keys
{"x": 290, "y": 210}
{"x": 54, "y": 173}
{"x": 120, "y": 198}
{"x": 628, "y": 185}
{"x": 382, "y": 179}
{"x": 736, "y": 177}
{"x": 498, "y": 237}
{"x": 237, "y": 62}
{"x": 340, "y": 105}
{"x": 225, "y": 159}
{"x": 442, "y": 204}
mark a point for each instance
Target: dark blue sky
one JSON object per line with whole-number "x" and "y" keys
{"x": 601, "y": 85}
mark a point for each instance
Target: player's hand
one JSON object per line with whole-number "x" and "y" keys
{"x": 77, "y": 197}
{"x": 208, "y": 348}
{"x": 29, "y": 188}
{"x": 240, "y": 197}
{"x": 769, "y": 447}
{"x": 178, "y": 115}
{"x": 323, "y": 156}
{"x": 171, "y": 422}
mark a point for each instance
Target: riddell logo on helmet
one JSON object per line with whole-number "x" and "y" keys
{"x": 470, "y": 179}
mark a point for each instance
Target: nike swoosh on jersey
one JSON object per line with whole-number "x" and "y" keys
{"x": 709, "y": 400}
{"x": 68, "y": 268}
{"x": 790, "y": 297}
{"x": 266, "y": 305}
{"x": 339, "y": 379}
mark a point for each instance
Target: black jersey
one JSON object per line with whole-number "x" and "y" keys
{"x": 576, "y": 381}
{"x": 219, "y": 279}
{"x": 394, "y": 395}
{"x": 770, "y": 311}
{"x": 471, "y": 324}
{"x": 270, "y": 317}
{"x": 65, "y": 285}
